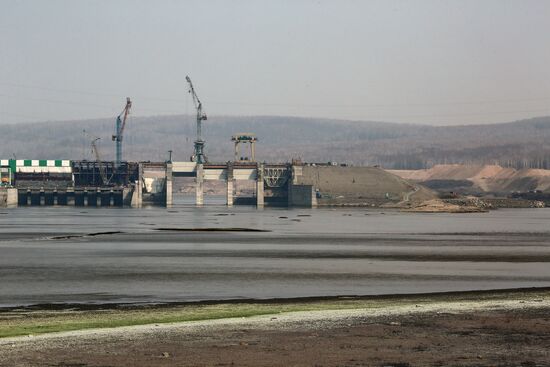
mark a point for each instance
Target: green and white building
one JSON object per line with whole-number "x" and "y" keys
{"x": 10, "y": 167}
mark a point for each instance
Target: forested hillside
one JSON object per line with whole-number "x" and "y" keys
{"x": 518, "y": 144}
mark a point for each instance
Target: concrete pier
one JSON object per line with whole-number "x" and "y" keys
{"x": 168, "y": 185}
{"x": 136, "y": 196}
{"x": 8, "y": 197}
{"x": 199, "y": 188}
{"x": 260, "y": 186}
{"x": 230, "y": 184}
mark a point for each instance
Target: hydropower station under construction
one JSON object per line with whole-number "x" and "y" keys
{"x": 124, "y": 183}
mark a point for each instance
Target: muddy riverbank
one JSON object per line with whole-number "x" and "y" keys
{"x": 508, "y": 328}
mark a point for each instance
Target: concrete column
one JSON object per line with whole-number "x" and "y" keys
{"x": 85, "y": 197}
{"x": 29, "y": 197}
{"x": 230, "y": 184}
{"x": 55, "y": 197}
{"x": 168, "y": 185}
{"x": 260, "y": 186}
{"x": 136, "y": 200}
{"x": 138, "y": 189}
{"x": 199, "y": 188}
{"x": 98, "y": 198}
{"x": 111, "y": 198}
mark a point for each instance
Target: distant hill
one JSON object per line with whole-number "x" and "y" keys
{"x": 520, "y": 144}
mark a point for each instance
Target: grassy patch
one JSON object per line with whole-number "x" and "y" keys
{"x": 39, "y": 322}
{"x": 25, "y": 322}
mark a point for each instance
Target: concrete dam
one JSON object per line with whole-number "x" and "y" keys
{"x": 133, "y": 184}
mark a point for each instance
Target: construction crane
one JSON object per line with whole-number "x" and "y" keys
{"x": 120, "y": 124}
{"x": 102, "y": 172}
{"x": 198, "y": 155}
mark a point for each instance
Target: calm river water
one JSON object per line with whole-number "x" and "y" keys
{"x": 63, "y": 254}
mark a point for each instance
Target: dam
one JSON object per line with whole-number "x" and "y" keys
{"x": 133, "y": 184}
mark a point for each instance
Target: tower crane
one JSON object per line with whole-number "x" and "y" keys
{"x": 198, "y": 155}
{"x": 117, "y": 137}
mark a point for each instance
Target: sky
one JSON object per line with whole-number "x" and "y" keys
{"x": 431, "y": 62}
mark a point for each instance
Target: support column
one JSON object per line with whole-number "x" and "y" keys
{"x": 29, "y": 197}
{"x": 85, "y": 197}
{"x": 42, "y": 197}
{"x": 292, "y": 180}
{"x": 98, "y": 198}
{"x": 138, "y": 189}
{"x": 260, "y": 186}
{"x": 230, "y": 184}
{"x": 199, "y": 188}
{"x": 111, "y": 198}
{"x": 168, "y": 185}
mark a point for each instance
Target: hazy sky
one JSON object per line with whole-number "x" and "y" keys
{"x": 437, "y": 62}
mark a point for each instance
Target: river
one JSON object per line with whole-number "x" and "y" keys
{"x": 114, "y": 255}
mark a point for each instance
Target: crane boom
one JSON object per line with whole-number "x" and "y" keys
{"x": 198, "y": 155}
{"x": 125, "y": 114}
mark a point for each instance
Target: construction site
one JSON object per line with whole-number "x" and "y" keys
{"x": 245, "y": 179}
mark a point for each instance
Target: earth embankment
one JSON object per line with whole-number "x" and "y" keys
{"x": 338, "y": 185}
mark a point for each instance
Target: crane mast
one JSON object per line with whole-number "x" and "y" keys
{"x": 119, "y": 131}
{"x": 198, "y": 154}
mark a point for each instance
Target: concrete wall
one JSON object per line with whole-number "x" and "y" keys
{"x": 302, "y": 196}
{"x": 8, "y": 197}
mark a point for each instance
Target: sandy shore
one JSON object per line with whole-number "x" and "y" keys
{"x": 477, "y": 329}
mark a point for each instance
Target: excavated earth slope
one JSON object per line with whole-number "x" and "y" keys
{"x": 486, "y": 178}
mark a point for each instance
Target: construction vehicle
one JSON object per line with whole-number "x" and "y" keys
{"x": 117, "y": 137}
{"x": 198, "y": 154}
